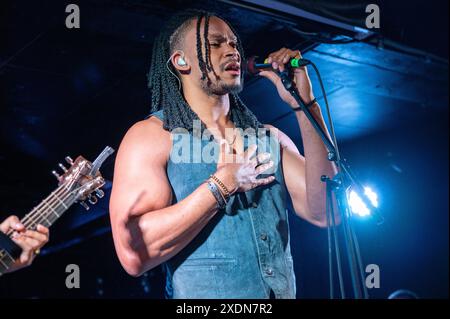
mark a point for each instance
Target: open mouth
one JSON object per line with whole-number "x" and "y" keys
{"x": 233, "y": 68}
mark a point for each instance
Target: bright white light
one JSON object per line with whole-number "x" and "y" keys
{"x": 357, "y": 205}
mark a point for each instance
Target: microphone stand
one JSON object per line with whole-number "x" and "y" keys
{"x": 338, "y": 185}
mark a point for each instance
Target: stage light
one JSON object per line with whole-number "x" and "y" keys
{"x": 357, "y": 205}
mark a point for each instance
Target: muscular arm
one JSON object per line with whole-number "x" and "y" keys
{"x": 316, "y": 164}
{"x": 302, "y": 174}
{"x": 147, "y": 229}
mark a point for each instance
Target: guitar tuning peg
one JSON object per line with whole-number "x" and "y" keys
{"x": 86, "y": 206}
{"x": 92, "y": 199}
{"x": 99, "y": 193}
{"x": 69, "y": 160}
{"x": 62, "y": 167}
{"x": 56, "y": 175}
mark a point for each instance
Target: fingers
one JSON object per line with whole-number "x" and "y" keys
{"x": 41, "y": 237}
{"x": 289, "y": 55}
{"x": 270, "y": 75}
{"x": 28, "y": 245}
{"x": 281, "y": 57}
{"x": 30, "y": 241}
{"x": 263, "y": 157}
{"x": 263, "y": 181}
{"x": 251, "y": 150}
{"x": 43, "y": 230}
{"x": 264, "y": 167}
{"x": 260, "y": 159}
{"x": 224, "y": 149}
{"x": 12, "y": 222}
{"x": 276, "y": 59}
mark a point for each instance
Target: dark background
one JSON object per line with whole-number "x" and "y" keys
{"x": 74, "y": 91}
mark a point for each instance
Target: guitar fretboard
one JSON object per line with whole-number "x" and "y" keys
{"x": 46, "y": 214}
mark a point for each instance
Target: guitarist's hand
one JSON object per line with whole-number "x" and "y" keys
{"x": 30, "y": 241}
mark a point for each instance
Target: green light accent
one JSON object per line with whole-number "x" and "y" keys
{"x": 294, "y": 63}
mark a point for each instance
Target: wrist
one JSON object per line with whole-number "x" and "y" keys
{"x": 304, "y": 86}
{"x": 221, "y": 201}
{"x": 227, "y": 180}
{"x": 306, "y": 98}
{"x": 311, "y": 105}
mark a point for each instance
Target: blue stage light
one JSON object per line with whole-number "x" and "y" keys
{"x": 357, "y": 205}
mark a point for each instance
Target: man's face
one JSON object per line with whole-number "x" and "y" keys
{"x": 225, "y": 60}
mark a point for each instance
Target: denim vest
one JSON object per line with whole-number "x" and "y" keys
{"x": 244, "y": 250}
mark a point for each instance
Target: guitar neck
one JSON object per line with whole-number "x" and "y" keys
{"x": 50, "y": 209}
{"x": 46, "y": 214}
{"x": 76, "y": 184}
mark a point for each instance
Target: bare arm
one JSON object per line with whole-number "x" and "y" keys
{"x": 303, "y": 174}
{"x": 316, "y": 165}
{"x": 146, "y": 229}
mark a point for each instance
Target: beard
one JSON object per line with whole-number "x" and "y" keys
{"x": 219, "y": 87}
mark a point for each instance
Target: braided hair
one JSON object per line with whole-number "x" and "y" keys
{"x": 164, "y": 85}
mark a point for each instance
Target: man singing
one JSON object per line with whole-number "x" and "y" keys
{"x": 219, "y": 227}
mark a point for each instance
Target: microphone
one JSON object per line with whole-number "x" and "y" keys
{"x": 253, "y": 64}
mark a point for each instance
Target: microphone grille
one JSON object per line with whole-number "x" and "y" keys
{"x": 250, "y": 65}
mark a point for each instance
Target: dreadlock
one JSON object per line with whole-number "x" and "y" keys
{"x": 164, "y": 85}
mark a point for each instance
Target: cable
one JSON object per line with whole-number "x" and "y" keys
{"x": 336, "y": 244}
{"x": 330, "y": 245}
{"x": 330, "y": 119}
{"x": 352, "y": 247}
{"x": 352, "y": 239}
{"x": 324, "y": 38}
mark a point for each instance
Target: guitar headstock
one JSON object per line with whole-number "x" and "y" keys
{"x": 82, "y": 178}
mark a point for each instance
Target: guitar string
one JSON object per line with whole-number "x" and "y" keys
{"x": 39, "y": 215}
{"x": 44, "y": 202}
{"x": 52, "y": 206}
{"x": 30, "y": 218}
{"x": 27, "y": 220}
{"x": 60, "y": 201}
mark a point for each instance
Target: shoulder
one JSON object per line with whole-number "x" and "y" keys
{"x": 284, "y": 140}
{"x": 151, "y": 125}
{"x": 146, "y": 137}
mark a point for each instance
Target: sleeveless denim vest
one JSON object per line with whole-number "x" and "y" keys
{"x": 244, "y": 250}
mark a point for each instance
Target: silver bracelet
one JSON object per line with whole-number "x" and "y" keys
{"x": 217, "y": 195}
